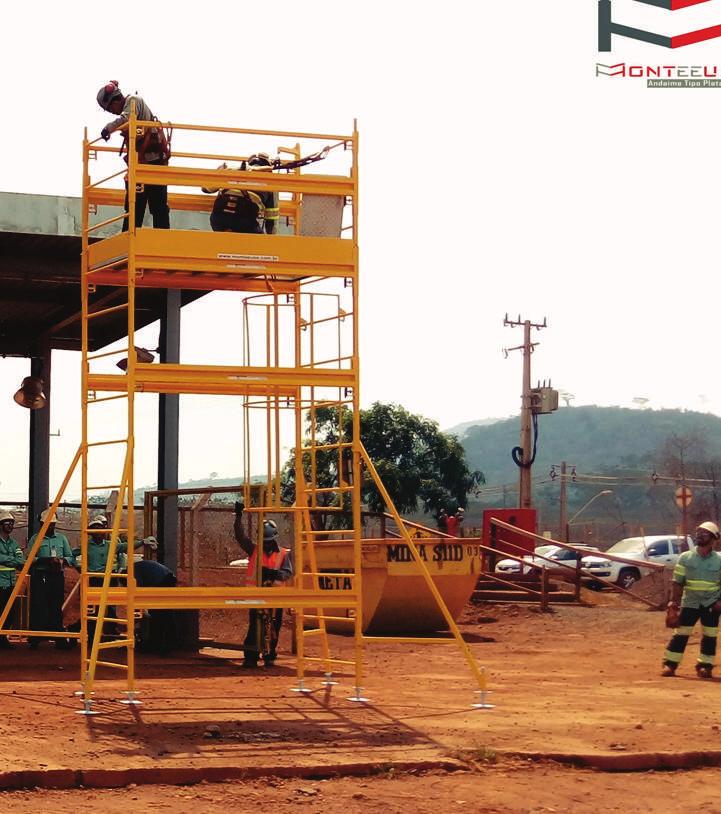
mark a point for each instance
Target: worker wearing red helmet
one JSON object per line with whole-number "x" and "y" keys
{"x": 152, "y": 148}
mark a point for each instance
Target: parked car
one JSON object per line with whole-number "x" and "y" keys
{"x": 563, "y": 556}
{"x": 660, "y": 548}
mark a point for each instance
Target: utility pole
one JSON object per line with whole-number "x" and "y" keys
{"x": 524, "y": 458}
{"x": 563, "y": 517}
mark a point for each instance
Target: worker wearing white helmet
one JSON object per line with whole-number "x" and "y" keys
{"x": 99, "y": 545}
{"x": 47, "y": 581}
{"x": 696, "y": 594}
{"x": 11, "y": 558}
{"x": 97, "y": 554}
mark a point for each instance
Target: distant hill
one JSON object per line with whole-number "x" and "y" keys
{"x": 460, "y": 430}
{"x": 617, "y": 443}
{"x": 591, "y": 438}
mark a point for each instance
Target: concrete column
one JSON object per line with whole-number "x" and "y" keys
{"x": 39, "y": 480}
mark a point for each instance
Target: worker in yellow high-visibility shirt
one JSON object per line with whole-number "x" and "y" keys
{"x": 696, "y": 594}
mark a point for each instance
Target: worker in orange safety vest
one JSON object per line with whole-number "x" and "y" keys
{"x": 264, "y": 626}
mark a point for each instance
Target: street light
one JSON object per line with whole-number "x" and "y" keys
{"x": 602, "y": 493}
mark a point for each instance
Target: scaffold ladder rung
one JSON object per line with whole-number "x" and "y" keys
{"x": 114, "y": 644}
{"x": 113, "y": 664}
{"x": 328, "y": 660}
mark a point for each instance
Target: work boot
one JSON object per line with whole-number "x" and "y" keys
{"x": 704, "y": 671}
{"x": 249, "y": 664}
{"x": 669, "y": 671}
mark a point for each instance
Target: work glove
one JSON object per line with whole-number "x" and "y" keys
{"x": 105, "y": 134}
{"x": 239, "y": 508}
{"x": 269, "y": 576}
{"x": 673, "y": 615}
{"x": 151, "y": 543}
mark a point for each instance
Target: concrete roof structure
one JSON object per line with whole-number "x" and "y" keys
{"x": 40, "y": 247}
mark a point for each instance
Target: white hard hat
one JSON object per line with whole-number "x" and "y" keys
{"x": 710, "y": 527}
{"x": 5, "y": 515}
{"x": 99, "y": 520}
{"x": 44, "y": 516}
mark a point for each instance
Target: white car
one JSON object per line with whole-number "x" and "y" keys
{"x": 663, "y": 549}
{"x": 563, "y": 556}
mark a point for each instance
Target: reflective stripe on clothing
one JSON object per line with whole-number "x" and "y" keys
{"x": 709, "y": 628}
{"x": 701, "y": 585}
{"x": 700, "y": 577}
{"x": 11, "y": 559}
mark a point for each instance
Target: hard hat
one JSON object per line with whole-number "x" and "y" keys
{"x": 5, "y": 516}
{"x": 710, "y": 527}
{"x": 107, "y": 93}
{"x": 270, "y": 530}
{"x": 461, "y": 510}
{"x": 44, "y": 516}
{"x": 259, "y": 160}
{"x": 101, "y": 520}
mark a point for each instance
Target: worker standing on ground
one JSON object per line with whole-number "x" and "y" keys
{"x": 99, "y": 547}
{"x": 442, "y": 521}
{"x": 47, "y": 583}
{"x": 696, "y": 591}
{"x": 277, "y": 569}
{"x": 452, "y": 525}
{"x": 98, "y": 550}
{"x": 152, "y": 147}
{"x": 242, "y": 210}
{"x": 460, "y": 517}
{"x": 11, "y": 558}
{"x": 158, "y": 628}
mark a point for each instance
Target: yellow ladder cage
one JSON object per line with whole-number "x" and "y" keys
{"x": 299, "y": 370}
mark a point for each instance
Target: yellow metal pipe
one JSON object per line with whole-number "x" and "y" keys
{"x": 30, "y": 556}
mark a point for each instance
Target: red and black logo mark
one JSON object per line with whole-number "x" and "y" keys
{"x": 606, "y": 26}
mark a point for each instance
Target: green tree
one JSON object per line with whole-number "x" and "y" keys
{"x": 418, "y": 464}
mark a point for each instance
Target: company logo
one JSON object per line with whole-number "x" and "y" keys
{"x": 665, "y": 76}
{"x": 607, "y": 27}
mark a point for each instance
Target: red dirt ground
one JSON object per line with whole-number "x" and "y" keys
{"x": 579, "y": 684}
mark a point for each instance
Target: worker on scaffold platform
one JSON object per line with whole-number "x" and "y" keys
{"x": 152, "y": 146}
{"x": 242, "y": 210}
{"x": 263, "y": 630}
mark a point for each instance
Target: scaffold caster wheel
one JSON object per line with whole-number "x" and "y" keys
{"x": 301, "y": 687}
{"x": 131, "y": 700}
{"x": 87, "y": 708}
{"x": 482, "y": 703}
{"x": 358, "y": 698}
{"x": 328, "y": 680}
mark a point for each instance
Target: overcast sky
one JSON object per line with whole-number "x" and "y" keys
{"x": 498, "y": 174}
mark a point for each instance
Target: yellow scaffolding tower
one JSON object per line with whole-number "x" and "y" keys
{"x": 299, "y": 368}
